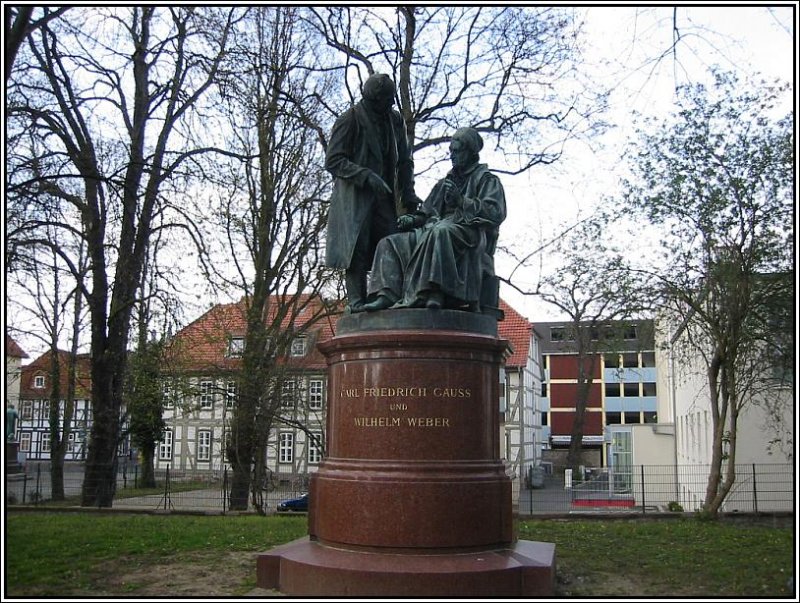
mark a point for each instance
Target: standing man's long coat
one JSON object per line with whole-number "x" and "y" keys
{"x": 353, "y": 151}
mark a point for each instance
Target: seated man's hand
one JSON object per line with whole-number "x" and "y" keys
{"x": 405, "y": 222}
{"x": 432, "y": 222}
{"x": 452, "y": 196}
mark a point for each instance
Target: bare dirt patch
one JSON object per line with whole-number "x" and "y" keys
{"x": 198, "y": 574}
{"x": 234, "y": 574}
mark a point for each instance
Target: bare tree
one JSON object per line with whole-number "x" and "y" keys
{"x": 44, "y": 290}
{"x": 19, "y": 23}
{"x": 110, "y": 90}
{"x": 510, "y": 73}
{"x": 272, "y": 219}
{"x": 596, "y": 289}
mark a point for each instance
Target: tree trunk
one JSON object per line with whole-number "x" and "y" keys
{"x": 718, "y": 404}
{"x": 720, "y": 482}
{"x": 56, "y": 444}
{"x": 57, "y": 471}
{"x": 148, "y": 473}
{"x": 575, "y": 453}
{"x": 99, "y": 479}
{"x": 240, "y": 486}
{"x": 585, "y": 371}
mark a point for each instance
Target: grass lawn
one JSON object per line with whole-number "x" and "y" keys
{"x": 104, "y": 554}
{"x": 681, "y": 557}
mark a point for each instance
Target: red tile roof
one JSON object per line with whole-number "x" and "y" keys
{"x": 13, "y": 350}
{"x": 517, "y": 330}
{"x": 202, "y": 345}
{"x": 41, "y": 366}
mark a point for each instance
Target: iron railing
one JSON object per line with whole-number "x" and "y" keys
{"x": 759, "y": 488}
{"x": 174, "y": 490}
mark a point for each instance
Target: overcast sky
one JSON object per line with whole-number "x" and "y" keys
{"x": 623, "y": 42}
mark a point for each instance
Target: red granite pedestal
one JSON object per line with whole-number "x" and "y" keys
{"x": 12, "y": 464}
{"x": 412, "y": 498}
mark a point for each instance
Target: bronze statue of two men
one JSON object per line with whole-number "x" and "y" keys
{"x": 433, "y": 254}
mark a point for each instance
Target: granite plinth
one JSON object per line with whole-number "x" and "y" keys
{"x": 411, "y": 319}
{"x": 12, "y": 463}
{"x": 308, "y": 568}
{"x": 412, "y": 497}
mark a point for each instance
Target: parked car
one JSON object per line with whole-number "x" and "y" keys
{"x": 294, "y": 504}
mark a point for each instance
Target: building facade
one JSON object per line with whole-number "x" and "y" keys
{"x": 14, "y": 356}
{"x": 198, "y": 421}
{"x": 36, "y": 385}
{"x": 202, "y": 391}
{"x": 765, "y": 432}
{"x": 200, "y": 387}
{"x": 520, "y": 423}
{"x": 621, "y": 359}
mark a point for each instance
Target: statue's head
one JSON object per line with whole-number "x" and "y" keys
{"x": 378, "y": 91}
{"x": 465, "y": 148}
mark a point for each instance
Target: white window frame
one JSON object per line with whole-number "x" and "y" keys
{"x": 25, "y": 441}
{"x": 26, "y": 410}
{"x": 206, "y": 394}
{"x": 231, "y": 391}
{"x": 168, "y": 397}
{"x": 44, "y": 441}
{"x": 298, "y": 347}
{"x": 38, "y": 381}
{"x": 286, "y": 447}
{"x": 235, "y": 347}
{"x": 203, "y": 445}
{"x": 165, "y": 446}
{"x": 314, "y": 448}
{"x": 288, "y": 393}
{"x": 316, "y": 393}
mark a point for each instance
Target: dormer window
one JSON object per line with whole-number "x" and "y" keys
{"x": 235, "y": 347}
{"x": 38, "y": 382}
{"x": 298, "y": 346}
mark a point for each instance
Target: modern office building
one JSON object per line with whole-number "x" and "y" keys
{"x": 619, "y": 359}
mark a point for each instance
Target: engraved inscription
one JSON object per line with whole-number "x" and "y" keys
{"x": 395, "y": 403}
{"x": 376, "y": 421}
{"x": 396, "y": 422}
{"x": 428, "y": 422}
{"x": 406, "y": 392}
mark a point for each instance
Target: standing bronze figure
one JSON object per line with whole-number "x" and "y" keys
{"x": 369, "y": 156}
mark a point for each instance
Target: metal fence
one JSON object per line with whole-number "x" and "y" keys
{"x": 175, "y": 490}
{"x": 759, "y": 488}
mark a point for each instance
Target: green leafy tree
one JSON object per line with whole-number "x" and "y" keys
{"x": 145, "y": 405}
{"x": 718, "y": 178}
